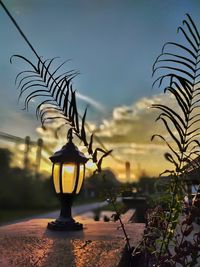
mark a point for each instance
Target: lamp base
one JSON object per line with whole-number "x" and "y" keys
{"x": 65, "y": 226}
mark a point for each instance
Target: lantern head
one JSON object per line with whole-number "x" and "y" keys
{"x": 68, "y": 168}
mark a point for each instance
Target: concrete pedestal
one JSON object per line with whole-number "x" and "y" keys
{"x": 30, "y": 243}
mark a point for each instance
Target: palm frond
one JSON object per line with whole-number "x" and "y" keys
{"x": 53, "y": 90}
{"x": 181, "y": 71}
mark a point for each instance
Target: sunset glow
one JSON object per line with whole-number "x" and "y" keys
{"x": 114, "y": 46}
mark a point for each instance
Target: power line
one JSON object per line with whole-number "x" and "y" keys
{"x": 19, "y": 29}
{"x": 13, "y": 138}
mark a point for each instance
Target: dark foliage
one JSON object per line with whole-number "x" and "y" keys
{"x": 20, "y": 189}
{"x": 177, "y": 68}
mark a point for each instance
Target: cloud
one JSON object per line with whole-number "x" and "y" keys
{"x": 134, "y": 112}
{"x": 128, "y": 132}
{"x": 91, "y": 102}
{"x": 135, "y": 123}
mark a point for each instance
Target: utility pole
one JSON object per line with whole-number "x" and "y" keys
{"x": 128, "y": 171}
{"x": 38, "y": 155}
{"x": 26, "y": 152}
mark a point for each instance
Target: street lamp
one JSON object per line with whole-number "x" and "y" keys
{"x": 68, "y": 173}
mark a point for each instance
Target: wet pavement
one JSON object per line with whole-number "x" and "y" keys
{"x": 30, "y": 243}
{"x": 34, "y": 251}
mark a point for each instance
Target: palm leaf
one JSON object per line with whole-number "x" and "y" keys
{"x": 180, "y": 70}
{"x": 58, "y": 99}
{"x": 52, "y": 87}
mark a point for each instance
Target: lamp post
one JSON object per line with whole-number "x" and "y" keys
{"x": 68, "y": 173}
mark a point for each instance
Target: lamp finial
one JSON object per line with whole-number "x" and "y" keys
{"x": 70, "y": 135}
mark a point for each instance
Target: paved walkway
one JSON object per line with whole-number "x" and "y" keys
{"x": 30, "y": 243}
{"x": 76, "y": 210}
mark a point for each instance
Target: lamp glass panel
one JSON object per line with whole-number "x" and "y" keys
{"x": 56, "y": 175}
{"x": 81, "y": 177}
{"x": 69, "y": 172}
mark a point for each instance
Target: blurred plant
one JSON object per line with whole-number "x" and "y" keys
{"x": 178, "y": 70}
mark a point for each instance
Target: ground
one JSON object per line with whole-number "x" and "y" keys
{"x": 30, "y": 243}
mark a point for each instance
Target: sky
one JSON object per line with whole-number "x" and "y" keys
{"x": 113, "y": 43}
